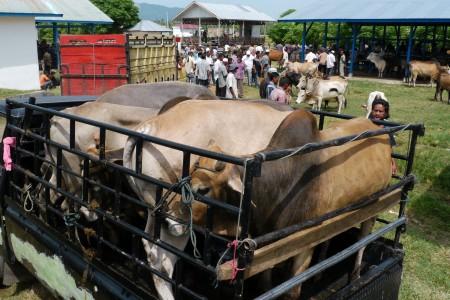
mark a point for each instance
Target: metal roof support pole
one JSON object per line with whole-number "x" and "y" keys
{"x": 384, "y": 36}
{"x": 338, "y": 36}
{"x": 68, "y": 28}
{"x": 352, "y": 55}
{"x": 303, "y": 42}
{"x": 56, "y": 43}
{"x": 372, "y": 41}
{"x": 397, "y": 48}
{"x": 433, "y": 45}
{"x": 444, "y": 45}
{"x": 325, "y": 35}
{"x": 199, "y": 31}
{"x": 412, "y": 31}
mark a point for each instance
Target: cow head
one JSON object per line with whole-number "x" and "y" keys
{"x": 216, "y": 179}
{"x": 302, "y": 89}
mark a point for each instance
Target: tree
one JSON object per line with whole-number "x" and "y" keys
{"x": 123, "y": 12}
{"x": 288, "y": 12}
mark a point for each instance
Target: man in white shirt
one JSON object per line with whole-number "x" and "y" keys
{"x": 189, "y": 67}
{"x": 285, "y": 57}
{"x": 232, "y": 90}
{"x": 331, "y": 59}
{"x": 248, "y": 61}
{"x": 202, "y": 71}
{"x": 310, "y": 56}
{"x": 220, "y": 74}
{"x": 210, "y": 61}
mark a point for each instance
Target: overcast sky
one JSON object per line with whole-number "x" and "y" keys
{"x": 271, "y": 7}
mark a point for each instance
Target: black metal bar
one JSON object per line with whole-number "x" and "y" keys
{"x": 281, "y": 233}
{"x": 321, "y": 121}
{"x": 102, "y": 145}
{"x": 412, "y": 151}
{"x": 130, "y": 133}
{"x": 85, "y": 187}
{"x": 251, "y": 168}
{"x": 186, "y": 164}
{"x": 320, "y": 267}
{"x": 28, "y": 114}
{"x": 310, "y": 147}
{"x": 139, "y": 144}
{"x": 58, "y": 168}
{"x": 158, "y": 216}
{"x": 72, "y": 134}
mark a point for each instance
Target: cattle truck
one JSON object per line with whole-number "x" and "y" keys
{"x": 104, "y": 258}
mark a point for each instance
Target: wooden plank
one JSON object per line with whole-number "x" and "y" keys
{"x": 279, "y": 251}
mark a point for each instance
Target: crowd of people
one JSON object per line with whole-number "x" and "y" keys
{"x": 232, "y": 67}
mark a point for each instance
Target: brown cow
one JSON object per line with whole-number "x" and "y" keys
{"x": 443, "y": 83}
{"x": 430, "y": 69}
{"x": 275, "y": 55}
{"x": 299, "y": 188}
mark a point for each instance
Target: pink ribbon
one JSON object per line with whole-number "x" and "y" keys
{"x": 8, "y": 142}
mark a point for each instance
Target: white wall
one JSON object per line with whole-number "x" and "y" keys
{"x": 18, "y": 54}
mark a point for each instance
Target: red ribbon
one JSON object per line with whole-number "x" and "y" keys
{"x": 234, "y": 265}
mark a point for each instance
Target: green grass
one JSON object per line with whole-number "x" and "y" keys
{"x": 427, "y": 240}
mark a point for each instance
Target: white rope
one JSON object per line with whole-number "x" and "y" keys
{"x": 349, "y": 141}
{"x": 28, "y": 203}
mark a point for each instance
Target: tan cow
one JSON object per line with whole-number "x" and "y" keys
{"x": 237, "y": 127}
{"x": 125, "y": 106}
{"x": 275, "y": 55}
{"x": 300, "y": 188}
{"x": 305, "y": 69}
{"x": 443, "y": 83}
{"x": 429, "y": 69}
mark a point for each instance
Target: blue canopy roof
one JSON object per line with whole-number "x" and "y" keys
{"x": 371, "y": 11}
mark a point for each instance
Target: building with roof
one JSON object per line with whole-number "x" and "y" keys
{"x": 149, "y": 26}
{"x": 18, "y": 54}
{"x": 359, "y": 13}
{"x": 233, "y": 23}
{"x": 19, "y": 67}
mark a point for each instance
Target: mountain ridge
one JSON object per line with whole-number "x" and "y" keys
{"x": 156, "y": 12}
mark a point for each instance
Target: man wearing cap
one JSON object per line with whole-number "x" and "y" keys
{"x": 265, "y": 83}
{"x": 273, "y": 77}
{"x": 231, "y": 84}
{"x": 248, "y": 61}
{"x": 330, "y": 63}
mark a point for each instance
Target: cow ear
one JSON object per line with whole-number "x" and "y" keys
{"x": 234, "y": 180}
